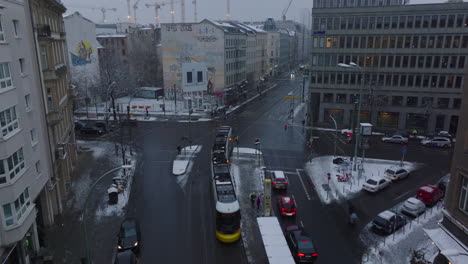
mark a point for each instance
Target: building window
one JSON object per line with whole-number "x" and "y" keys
{"x": 189, "y": 77}
{"x": 412, "y": 101}
{"x": 341, "y": 98}
{"x": 459, "y": 22}
{"x": 456, "y": 42}
{"x": 15, "y": 163}
{"x": 43, "y": 51}
{"x": 33, "y": 134}
{"x": 379, "y": 22}
{"x": 434, "y": 20}
{"x": 8, "y": 121}
{"x": 456, "y": 103}
{"x": 461, "y": 62}
{"x": 371, "y": 22}
{"x": 27, "y": 99}
{"x": 463, "y": 205}
{"x": 328, "y": 98}
{"x": 5, "y": 76}
{"x": 448, "y": 42}
{"x": 38, "y": 167}
{"x": 410, "y": 22}
{"x": 199, "y": 76}
{"x": 426, "y": 21}
{"x": 16, "y": 27}
{"x": 2, "y": 33}
{"x": 417, "y": 22}
{"x": 394, "y": 22}
{"x": 22, "y": 65}
{"x": 458, "y": 81}
{"x": 397, "y": 100}
{"x": 441, "y": 81}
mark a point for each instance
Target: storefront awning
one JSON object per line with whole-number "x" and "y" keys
{"x": 451, "y": 248}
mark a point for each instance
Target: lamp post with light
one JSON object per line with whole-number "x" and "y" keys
{"x": 358, "y": 119}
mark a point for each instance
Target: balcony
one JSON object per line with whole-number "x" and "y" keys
{"x": 43, "y": 30}
{"x": 54, "y": 74}
{"x": 54, "y": 117}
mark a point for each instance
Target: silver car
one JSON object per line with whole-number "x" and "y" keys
{"x": 440, "y": 142}
{"x": 396, "y": 173}
{"x": 395, "y": 139}
{"x": 413, "y": 207}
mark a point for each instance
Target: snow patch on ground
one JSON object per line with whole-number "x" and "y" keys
{"x": 179, "y": 167}
{"x": 247, "y": 151}
{"x": 114, "y": 209}
{"x": 318, "y": 168}
{"x": 182, "y": 166}
{"x": 404, "y": 241}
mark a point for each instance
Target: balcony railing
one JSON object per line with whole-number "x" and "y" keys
{"x": 43, "y": 30}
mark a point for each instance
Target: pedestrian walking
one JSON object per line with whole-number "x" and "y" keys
{"x": 258, "y": 202}
{"x": 179, "y": 149}
{"x": 252, "y": 198}
{"x": 285, "y": 127}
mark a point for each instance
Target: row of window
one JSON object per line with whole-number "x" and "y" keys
{"x": 190, "y": 80}
{"x": 230, "y": 54}
{"x": 354, "y": 3}
{"x": 12, "y": 212}
{"x": 390, "y": 22}
{"x": 391, "y": 42}
{"x": 235, "y": 42}
{"x": 395, "y": 80}
{"x": 234, "y": 78}
{"x": 391, "y": 61}
{"x": 12, "y": 166}
{"x": 384, "y": 100}
{"x": 235, "y": 66}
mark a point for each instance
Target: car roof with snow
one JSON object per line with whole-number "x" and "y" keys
{"x": 286, "y": 199}
{"x": 428, "y": 188}
{"x": 413, "y": 200}
{"x": 376, "y": 178}
{"x": 386, "y": 214}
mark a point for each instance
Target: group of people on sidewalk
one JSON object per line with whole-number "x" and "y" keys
{"x": 254, "y": 199}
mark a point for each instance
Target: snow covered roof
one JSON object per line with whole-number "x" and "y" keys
{"x": 449, "y": 246}
{"x": 386, "y": 214}
{"x": 427, "y": 188}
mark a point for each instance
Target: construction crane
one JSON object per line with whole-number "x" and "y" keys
{"x": 194, "y": 2}
{"x": 286, "y": 10}
{"x": 228, "y": 14}
{"x": 135, "y": 7}
{"x": 102, "y": 9}
{"x": 158, "y": 6}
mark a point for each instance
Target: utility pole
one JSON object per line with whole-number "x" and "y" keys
{"x": 113, "y": 106}
{"x": 175, "y": 99}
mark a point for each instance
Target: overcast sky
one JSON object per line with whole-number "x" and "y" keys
{"x": 244, "y": 10}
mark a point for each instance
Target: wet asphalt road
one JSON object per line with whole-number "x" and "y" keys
{"x": 177, "y": 220}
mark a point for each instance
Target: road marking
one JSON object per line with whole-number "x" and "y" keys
{"x": 399, "y": 196}
{"x": 303, "y": 185}
{"x": 302, "y": 224}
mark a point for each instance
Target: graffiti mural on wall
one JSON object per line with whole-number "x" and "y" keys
{"x": 82, "y": 55}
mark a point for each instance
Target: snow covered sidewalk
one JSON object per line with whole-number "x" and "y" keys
{"x": 182, "y": 160}
{"x": 332, "y": 189}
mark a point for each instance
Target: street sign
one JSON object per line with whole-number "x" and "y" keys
{"x": 291, "y": 97}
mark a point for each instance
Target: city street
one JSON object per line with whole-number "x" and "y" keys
{"x": 177, "y": 220}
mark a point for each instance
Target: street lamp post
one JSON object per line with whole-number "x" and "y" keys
{"x": 84, "y": 214}
{"x": 336, "y": 133}
{"x": 358, "y": 119}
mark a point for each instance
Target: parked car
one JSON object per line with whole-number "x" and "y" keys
{"x": 129, "y": 235}
{"x": 445, "y": 134}
{"x": 279, "y": 180}
{"x": 103, "y": 126}
{"x": 430, "y": 194}
{"x": 91, "y": 130}
{"x": 440, "y": 142}
{"x": 388, "y": 222}
{"x": 413, "y": 207}
{"x": 287, "y": 205}
{"x": 340, "y": 161}
{"x": 125, "y": 257}
{"x": 375, "y": 184}
{"x": 79, "y": 124}
{"x": 399, "y": 139}
{"x": 396, "y": 173}
{"x": 301, "y": 245}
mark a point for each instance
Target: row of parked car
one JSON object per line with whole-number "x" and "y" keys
{"x": 389, "y": 221}
{"x": 442, "y": 140}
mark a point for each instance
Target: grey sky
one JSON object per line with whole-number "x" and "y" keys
{"x": 244, "y": 10}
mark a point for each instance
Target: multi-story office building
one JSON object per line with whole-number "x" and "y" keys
{"x": 410, "y": 57}
{"x": 220, "y": 47}
{"x": 273, "y": 46}
{"x": 284, "y": 50}
{"x": 452, "y": 235}
{"x": 27, "y": 194}
{"x": 49, "y": 30}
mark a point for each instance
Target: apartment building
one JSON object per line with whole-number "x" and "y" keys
{"x": 451, "y": 237}
{"x": 285, "y": 48}
{"x": 218, "y": 47}
{"x": 49, "y": 31}
{"x": 273, "y": 46}
{"x": 27, "y": 196}
{"x": 410, "y": 57}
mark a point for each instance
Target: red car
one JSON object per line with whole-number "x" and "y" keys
{"x": 430, "y": 194}
{"x": 286, "y": 205}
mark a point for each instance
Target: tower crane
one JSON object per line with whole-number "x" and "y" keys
{"x": 158, "y": 6}
{"x": 135, "y": 7}
{"x": 102, "y": 9}
{"x": 228, "y": 14}
{"x": 286, "y": 10}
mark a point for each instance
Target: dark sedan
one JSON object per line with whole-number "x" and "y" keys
{"x": 129, "y": 235}
{"x": 301, "y": 245}
{"x": 89, "y": 130}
